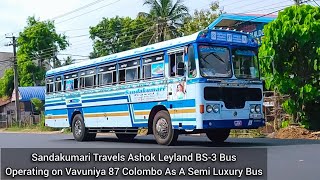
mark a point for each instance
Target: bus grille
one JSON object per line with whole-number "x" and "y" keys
{"x": 234, "y": 98}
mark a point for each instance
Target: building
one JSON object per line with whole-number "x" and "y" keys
{"x": 25, "y": 96}
{"x": 28, "y": 112}
{"x": 5, "y": 58}
{"x": 251, "y": 23}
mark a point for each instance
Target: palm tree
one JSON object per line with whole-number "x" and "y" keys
{"x": 167, "y": 17}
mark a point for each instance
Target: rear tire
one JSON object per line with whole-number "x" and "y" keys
{"x": 218, "y": 135}
{"x": 79, "y": 130}
{"x": 126, "y": 137}
{"x": 163, "y": 130}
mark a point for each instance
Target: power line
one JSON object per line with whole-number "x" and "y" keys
{"x": 88, "y": 12}
{"x": 316, "y": 2}
{"x": 78, "y": 9}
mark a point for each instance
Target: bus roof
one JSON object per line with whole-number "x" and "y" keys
{"x": 139, "y": 51}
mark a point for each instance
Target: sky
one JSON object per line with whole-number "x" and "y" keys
{"x": 75, "y": 22}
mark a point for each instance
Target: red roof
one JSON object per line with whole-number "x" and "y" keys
{"x": 4, "y": 102}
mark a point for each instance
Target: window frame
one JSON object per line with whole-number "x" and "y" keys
{"x": 58, "y": 81}
{"x": 101, "y": 73}
{"x": 72, "y": 77}
{"x": 174, "y": 52}
{"x": 152, "y": 61}
{"x": 84, "y": 74}
{"x": 51, "y": 79}
{"x": 130, "y": 66}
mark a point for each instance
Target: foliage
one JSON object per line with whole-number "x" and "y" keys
{"x": 293, "y": 42}
{"x": 6, "y": 83}
{"x": 201, "y": 19}
{"x": 66, "y": 62}
{"x": 117, "y": 34}
{"x": 285, "y": 123}
{"x": 39, "y": 42}
{"x": 38, "y": 104}
{"x": 166, "y": 16}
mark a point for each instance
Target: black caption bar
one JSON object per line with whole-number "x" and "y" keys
{"x": 134, "y": 163}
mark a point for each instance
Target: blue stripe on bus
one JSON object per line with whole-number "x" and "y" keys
{"x": 188, "y": 127}
{"x": 176, "y": 104}
{"x": 105, "y": 99}
{"x": 56, "y": 112}
{"x": 131, "y": 109}
{"x": 140, "y": 125}
{"x": 104, "y": 109}
{"x": 74, "y": 105}
{"x": 102, "y": 95}
{"x": 55, "y": 104}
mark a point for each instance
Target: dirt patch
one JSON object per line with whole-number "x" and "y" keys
{"x": 295, "y": 132}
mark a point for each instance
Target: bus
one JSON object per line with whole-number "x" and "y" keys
{"x": 208, "y": 82}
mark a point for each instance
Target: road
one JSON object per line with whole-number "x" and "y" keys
{"x": 287, "y": 159}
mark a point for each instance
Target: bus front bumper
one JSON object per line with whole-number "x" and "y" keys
{"x": 234, "y": 124}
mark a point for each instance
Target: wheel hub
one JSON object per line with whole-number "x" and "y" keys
{"x": 78, "y": 128}
{"x": 162, "y": 128}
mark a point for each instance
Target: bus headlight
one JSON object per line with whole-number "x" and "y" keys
{"x": 258, "y": 108}
{"x": 216, "y": 108}
{"x": 209, "y": 108}
{"x": 252, "y": 108}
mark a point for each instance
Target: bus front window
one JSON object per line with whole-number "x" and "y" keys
{"x": 245, "y": 63}
{"x": 214, "y": 61}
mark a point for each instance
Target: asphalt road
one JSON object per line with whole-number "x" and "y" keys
{"x": 287, "y": 159}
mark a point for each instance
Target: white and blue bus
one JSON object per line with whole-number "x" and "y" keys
{"x": 208, "y": 82}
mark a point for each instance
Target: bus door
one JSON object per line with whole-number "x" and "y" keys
{"x": 176, "y": 85}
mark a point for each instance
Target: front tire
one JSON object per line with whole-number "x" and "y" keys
{"x": 218, "y": 135}
{"x": 163, "y": 130}
{"x": 79, "y": 131}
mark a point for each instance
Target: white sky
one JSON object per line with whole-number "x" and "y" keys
{"x": 13, "y": 15}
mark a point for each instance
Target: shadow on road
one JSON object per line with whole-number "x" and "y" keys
{"x": 204, "y": 142}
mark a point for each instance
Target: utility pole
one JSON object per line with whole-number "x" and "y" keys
{"x": 15, "y": 69}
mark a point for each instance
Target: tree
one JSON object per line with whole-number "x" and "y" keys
{"x": 6, "y": 83}
{"x": 38, "y": 42}
{"x": 292, "y": 42}
{"x": 66, "y": 62}
{"x": 117, "y": 34}
{"x": 38, "y": 104}
{"x": 201, "y": 19}
{"x": 166, "y": 17}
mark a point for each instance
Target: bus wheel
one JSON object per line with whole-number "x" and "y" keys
{"x": 126, "y": 137}
{"x": 218, "y": 135}
{"x": 80, "y": 133}
{"x": 162, "y": 129}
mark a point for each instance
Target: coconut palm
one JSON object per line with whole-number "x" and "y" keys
{"x": 167, "y": 17}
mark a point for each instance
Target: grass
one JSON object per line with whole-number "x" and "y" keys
{"x": 246, "y": 133}
{"x": 40, "y": 127}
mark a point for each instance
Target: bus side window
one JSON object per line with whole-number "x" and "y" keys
{"x": 49, "y": 86}
{"x": 192, "y": 71}
{"x": 107, "y": 75}
{"x": 174, "y": 60}
{"x": 58, "y": 84}
{"x": 129, "y": 71}
{"x": 153, "y": 66}
{"x": 71, "y": 82}
{"x": 87, "y": 78}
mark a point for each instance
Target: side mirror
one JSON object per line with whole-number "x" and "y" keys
{"x": 180, "y": 69}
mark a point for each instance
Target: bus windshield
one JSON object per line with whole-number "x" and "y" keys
{"x": 214, "y": 61}
{"x": 245, "y": 63}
